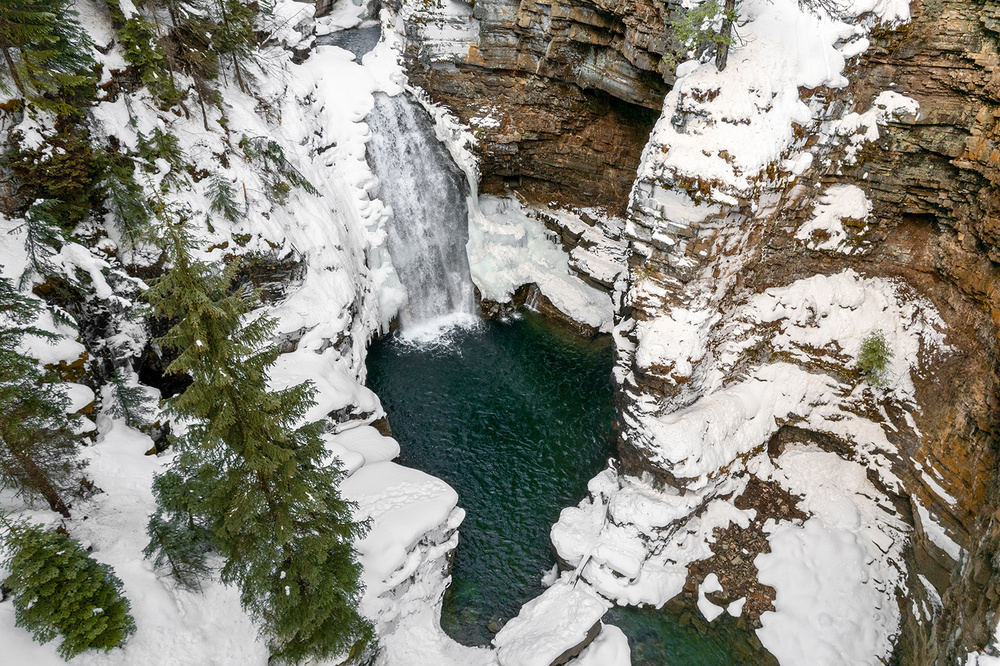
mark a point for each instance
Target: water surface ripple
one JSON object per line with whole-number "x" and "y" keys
{"x": 518, "y": 417}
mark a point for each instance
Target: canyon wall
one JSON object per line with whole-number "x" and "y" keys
{"x": 931, "y": 179}
{"x": 563, "y": 97}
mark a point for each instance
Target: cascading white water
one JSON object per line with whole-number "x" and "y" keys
{"x": 430, "y": 219}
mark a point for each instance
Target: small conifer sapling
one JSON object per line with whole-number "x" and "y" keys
{"x": 875, "y": 358}
{"x": 60, "y": 591}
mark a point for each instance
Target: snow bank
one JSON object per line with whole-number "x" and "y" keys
{"x": 838, "y": 203}
{"x": 174, "y": 627}
{"x": 404, "y": 504}
{"x": 837, "y": 575}
{"x": 633, "y": 543}
{"x": 369, "y": 442}
{"x": 728, "y": 126}
{"x": 549, "y": 625}
{"x": 835, "y": 313}
{"x": 823, "y": 317}
{"x": 610, "y": 648}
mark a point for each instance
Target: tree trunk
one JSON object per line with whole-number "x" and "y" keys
{"x": 37, "y": 480}
{"x": 725, "y": 35}
{"x": 229, "y": 30}
{"x": 239, "y": 77}
{"x": 13, "y": 69}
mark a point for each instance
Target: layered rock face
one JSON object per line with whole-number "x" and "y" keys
{"x": 931, "y": 180}
{"x": 735, "y": 292}
{"x": 562, "y": 95}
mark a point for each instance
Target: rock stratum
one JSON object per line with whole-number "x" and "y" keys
{"x": 561, "y": 96}
{"x": 753, "y": 279}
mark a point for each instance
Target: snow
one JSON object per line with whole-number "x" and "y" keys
{"x": 839, "y": 311}
{"x": 707, "y": 608}
{"x": 628, "y": 541}
{"x": 736, "y": 608}
{"x": 836, "y": 576}
{"x": 610, "y": 648}
{"x": 623, "y": 539}
{"x": 79, "y": 396}
{"x": 721, "y": 427}
{"x": 209, "y": 625}
{"x": 938, "y": 536}
{"x": 936, "y": 487}
{"x": 404, "y": 504}
{"x": 550, "y": 624}
{"x": 674, "y": 341}
{"x": 368, "y": 442}
{"x": 860, "y": 128}
{"x": 725, "y": 128}
{"x": 838, "y": 203}
{"x": 13, "y": 261}
{"x": 510, "y": 247}
{"x": 978, "y": 658}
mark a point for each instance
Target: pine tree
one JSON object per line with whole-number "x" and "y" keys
{"x": 278, "y": 173}
{"x": 179, "y": 540}
{"x": 42, "y": 239}
{"x": 163, "y": 145}
{"x": 125, "y": 197}
{"x": 46, "y": 51}
{"x": 129, "y": 399}
{"x": 236, "y": 36}
{"x": 249, "y": 475}
{"x": 144, "y": 52}
{"x": 37, "y": 447}
{"x": 59, "y": 590}
{"x": 62, "y": 168}
{"x": 708, "y": 27}
{"x": 874, "y": 358}
{"x": 223, "y": 199}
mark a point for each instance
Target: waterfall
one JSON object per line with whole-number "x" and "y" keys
{"x": 429, "y": 226}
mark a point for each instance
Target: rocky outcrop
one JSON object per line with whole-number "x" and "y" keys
{"x": 562, "y": 95}
{"x": 932, "y": 181}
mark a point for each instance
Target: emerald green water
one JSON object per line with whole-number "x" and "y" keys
{"x": 518, "y": 417}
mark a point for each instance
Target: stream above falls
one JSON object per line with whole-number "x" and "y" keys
{"x": 518, "y": 417}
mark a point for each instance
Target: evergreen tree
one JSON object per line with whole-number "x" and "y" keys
{"x": 223, "y": 198}
{"x": 129, "y": 399}
{"x": 45, "y": 51}
{"x": 37, "y": 446}
{"x": 235, "y": 36}
{"x": 179, "y": 539}
{"x": 59, "y": 590}
{"x": 248, "y": 475}
{"x": 62, "y": 168}
{"x": 163, "y": 145}
{"x": 42, "y": 239}
{"x": 875, "y": 357}
{"x": 144, "y": 52}
{"x": 708, "y": 27}
{"x": 125, "y": 197}
{"x": 278, "y": 173}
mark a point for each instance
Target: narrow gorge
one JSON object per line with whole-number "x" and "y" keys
{"x": 619, "y": 358}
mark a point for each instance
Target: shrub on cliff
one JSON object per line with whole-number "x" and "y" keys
{"x": 875, "y": 358}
